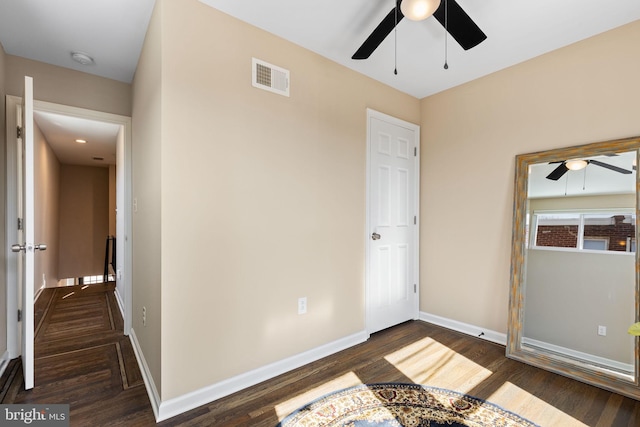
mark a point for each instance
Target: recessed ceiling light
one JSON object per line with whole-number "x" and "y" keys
{"x": 82, "y": 58}
{"x": 81, "y": 141}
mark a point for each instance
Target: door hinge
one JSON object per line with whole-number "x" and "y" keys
{"x": 19, "y": 132}
{"x": 415, "y": 288}
{"x": 19, "y": 315}
{"x": 19, "y": 223}
{"x": 415, "y": 151}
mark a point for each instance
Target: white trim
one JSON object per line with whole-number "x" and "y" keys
{"x": 186, "y": 402}
{"x": 120, "y": 302}
{"x": 38, "y": 293}
{"x": 4, "y": 362}
{"x": 152, "y": 391}
{"x": 465, "y": 328}
{"x": 416, "y": 229}
{"x": 625, "y": 368}
{"x": 12, "y": 295}
{"x": 13, "y": 335}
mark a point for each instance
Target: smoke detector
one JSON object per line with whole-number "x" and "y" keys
{"x": 82, "y": 58}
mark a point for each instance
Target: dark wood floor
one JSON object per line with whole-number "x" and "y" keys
{"x": 83, "y": 359}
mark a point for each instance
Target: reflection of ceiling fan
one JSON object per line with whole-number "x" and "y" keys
{"x": 567, "y": 165}
{"x": 456, "y": 22}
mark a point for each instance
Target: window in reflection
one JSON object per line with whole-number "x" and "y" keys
{"x": 611, "y": 231}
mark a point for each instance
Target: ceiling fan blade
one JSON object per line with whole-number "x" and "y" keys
{"x": 611, "y": 167}
{"x": 558, "y": 172}
{"x": 379, "y": 34}
{"x": 460, "y": 25}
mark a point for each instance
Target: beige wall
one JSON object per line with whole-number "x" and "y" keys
{"x": 585, "y": 202}
{"x": 47, "y": 197}
{"x": 68, "y": 87}
{"x": 84, "y": 220}
{"x": 112, "y": 200}
{"x": 582, "y": 93}
{"x": 262, "y": 197}
{"x": 569, "y": 294}
{"x": 3, "y": 198}
{"x": 146, "y": 181}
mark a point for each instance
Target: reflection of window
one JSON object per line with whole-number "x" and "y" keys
{"x": 558, "y": 230}
{"x": 595, "y": 244}
{"x": 610, "y": 231}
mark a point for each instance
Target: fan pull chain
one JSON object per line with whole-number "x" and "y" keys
{"x": 395, "y": 37}
{"x": 446, "y": 33}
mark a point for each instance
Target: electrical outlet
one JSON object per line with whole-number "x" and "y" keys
{"x": 602, "y": 330}
{"x": 302, "y": 305}
{"x": 144, "y": 316}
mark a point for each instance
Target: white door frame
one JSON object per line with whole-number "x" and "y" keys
{"x": 368, "y": 226}
{"x": 124, "y": 301}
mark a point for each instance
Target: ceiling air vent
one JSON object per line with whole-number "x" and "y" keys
{"x": 269, "y": 77}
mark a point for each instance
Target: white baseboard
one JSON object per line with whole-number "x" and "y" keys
{"x": 149, "y": 384}
{"x": 626, "y": 368}
{"x": 465, "y": 328}
{"x": 120, "y": 301}
{"x": 164, "y": 410}
{"x": 186, "y": 402}
{"x": 38, "y": 293}
{"x": 4, "y": 362}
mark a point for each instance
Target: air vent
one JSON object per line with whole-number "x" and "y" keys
{"x": 269, "y": 77}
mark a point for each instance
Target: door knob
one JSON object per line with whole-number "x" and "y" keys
{"x": 41, "y": 247}
{"x": 17, "y": 248}
{"x": 375, "y": 236}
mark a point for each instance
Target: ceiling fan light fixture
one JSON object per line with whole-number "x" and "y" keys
{"x": 418, "y": 10}
{"x": 576, "y": 165}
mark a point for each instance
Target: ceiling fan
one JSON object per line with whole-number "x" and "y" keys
{"x": 448, "y": 13}
{"x": 577, "y": 164}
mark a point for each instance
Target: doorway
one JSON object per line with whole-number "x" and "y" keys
{"x": 393, "y": 169}
{"x": 123, "y": 213}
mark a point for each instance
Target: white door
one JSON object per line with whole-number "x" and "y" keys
{"x": 26, "y": 246}
{"x": 392, "y": 205}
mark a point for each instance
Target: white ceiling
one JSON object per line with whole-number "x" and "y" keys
{"x": 62, "y": 131}
{"x": 516, "y": 30}
{"x": 112, "y": 32}
{"x": 591, "y": 180}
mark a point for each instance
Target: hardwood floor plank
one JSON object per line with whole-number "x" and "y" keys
{"x": 83, "y": 359}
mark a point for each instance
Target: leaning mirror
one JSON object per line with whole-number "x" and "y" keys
{"x": 574, "y": 276}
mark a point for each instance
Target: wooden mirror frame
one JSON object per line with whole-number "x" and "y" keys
{"x": 581, "y": 371}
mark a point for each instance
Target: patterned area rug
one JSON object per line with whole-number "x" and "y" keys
{"x": 401, "y": 405}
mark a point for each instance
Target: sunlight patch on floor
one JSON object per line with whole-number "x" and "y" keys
{"x": 349, "y": 379}
{"x": 523, "y": 403}
{"x": 431, "y": 363}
